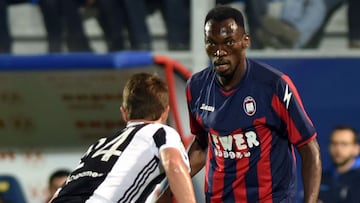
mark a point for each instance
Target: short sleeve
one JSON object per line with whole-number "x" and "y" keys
{"x": 288, "y": 105}
{"x": 168, "y": 137}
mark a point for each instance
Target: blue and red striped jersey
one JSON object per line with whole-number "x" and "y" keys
{"x": 251, "y": 130}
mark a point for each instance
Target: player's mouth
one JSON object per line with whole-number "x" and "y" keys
{"x": 221, "y": 66}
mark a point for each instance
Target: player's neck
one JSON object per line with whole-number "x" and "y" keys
{"x": 345, "y": 167}
{"x": 140, "y": 121}
{"x": 134, "y": 121}
{"x": 231, "y": 81}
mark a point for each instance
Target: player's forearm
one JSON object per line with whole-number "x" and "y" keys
{"x": 311, "y": 179}
{"x": 180, "y": 183}
{"x": 197, "y": 157}
{"x": 311, "y": 171}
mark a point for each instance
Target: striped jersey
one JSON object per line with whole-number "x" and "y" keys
{"x": 251, "y": 130}
{"x": 122, "y": 168}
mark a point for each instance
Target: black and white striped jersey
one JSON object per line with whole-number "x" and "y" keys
{"x": 122, "y": 168}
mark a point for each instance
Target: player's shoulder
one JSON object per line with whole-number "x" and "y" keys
{"x": 168, "y": 129}
{"x": 201, "y": 76}
{"x": 264, "y": 72}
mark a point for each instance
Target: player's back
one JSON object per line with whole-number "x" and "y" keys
{"x": 121, "y": 168}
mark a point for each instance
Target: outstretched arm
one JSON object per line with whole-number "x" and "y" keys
{"x": 197, "y": 156}
{"x": 311, "y": 170}
{"x": 178, "y": 176}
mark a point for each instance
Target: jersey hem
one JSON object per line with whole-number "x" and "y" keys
{"x": 307, "y": 141}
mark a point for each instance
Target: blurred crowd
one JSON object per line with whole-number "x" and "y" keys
{"x": 301, "y": 24}
{"x": 124, "y": 24}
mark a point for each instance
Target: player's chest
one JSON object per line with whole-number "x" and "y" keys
{"x": 240, "y": 108}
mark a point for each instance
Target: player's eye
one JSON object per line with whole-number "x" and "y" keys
{"x": 230, "y": 42}
{"x": 210, "y": 43}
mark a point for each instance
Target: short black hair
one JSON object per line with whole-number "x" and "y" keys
{"x": 350, "y": 128}
{"x": 58, "y": 174}
{"x": 221, "y": 12}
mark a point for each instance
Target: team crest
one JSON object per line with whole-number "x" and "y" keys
{"x": 249, "y": 106}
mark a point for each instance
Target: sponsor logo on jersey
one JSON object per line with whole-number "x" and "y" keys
{"x": 249, "y": 105}
{"x": 207, "y": 108}
{"x": 236, "y": 146}
{"x": 90, "y": 174}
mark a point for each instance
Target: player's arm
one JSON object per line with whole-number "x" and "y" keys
{"x": 300, "y": 130}
{"x": 197, "y": 155}
{"x": 197, "y": 149}
{"x": 311, "y": 170}
{"x": 178, "y": 176}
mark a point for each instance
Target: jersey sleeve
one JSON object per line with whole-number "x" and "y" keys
{"x": 168, "y": 137}
{"x": 195, "y": 127}
{"x": 288, "y": 105}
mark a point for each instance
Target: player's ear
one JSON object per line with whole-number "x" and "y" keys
{"x": 123, "y": 113}
{"x": 165, "y": 114}
{"x": 246, "y": 41}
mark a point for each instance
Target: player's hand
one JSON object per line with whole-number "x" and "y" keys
{"x": 165, "y": 197}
